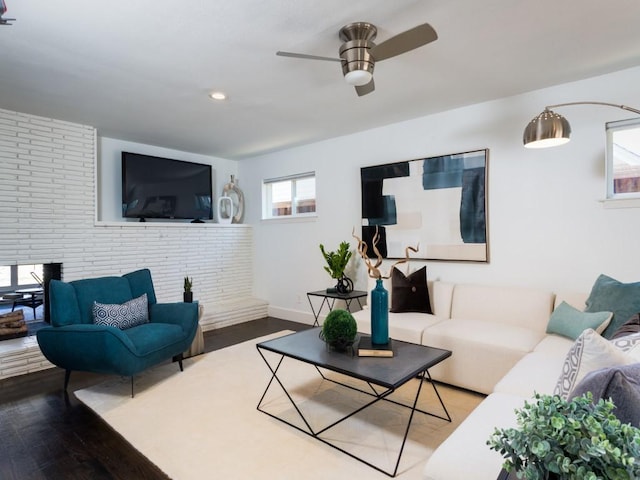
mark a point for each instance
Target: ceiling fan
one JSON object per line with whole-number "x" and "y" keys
{"x": 358, "y": 53}
{"x": 3, "y": 9}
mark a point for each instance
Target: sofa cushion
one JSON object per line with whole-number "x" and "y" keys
{"x": 620, "y": 384}
{"x": 124, "y": 315}
{"x": 525, "y": 307}
{"x": 623, "y": 299}
{"x": 151, "y": 338}
{"x": 589, "y": 352}
{"x": 630, "y": 326}
{"x": 483, "y": 352}
{"x": 571, "y": 322}
{"x": 102, "y": 290}
{"x": 140, "y": 282}
{"x": 554, "y": 345}
{"x": 63, "y": 304}
{"x": 407, "y": 327}
{"x": 535, "y": 372}
{"x": 441, "y": 296}
{"x": 410, "y": 292}
{"x": 465, "y": 454}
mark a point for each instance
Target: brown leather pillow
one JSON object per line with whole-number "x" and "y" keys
{"x": 410, "y": 294}
{"x": 631, "y": 326}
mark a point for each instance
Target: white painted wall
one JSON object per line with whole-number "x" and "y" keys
{"x": 110, "y": 174}
{"x": 547, "y": 225}
{"x": 47, "y": 214}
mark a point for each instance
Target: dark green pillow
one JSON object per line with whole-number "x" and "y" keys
{"x": 630, "y": 327}
{"x": 410, "y": 294}
{"x": 608, "y": 294}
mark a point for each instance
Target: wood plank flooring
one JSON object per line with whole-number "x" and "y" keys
{"x": 46, "y": 434}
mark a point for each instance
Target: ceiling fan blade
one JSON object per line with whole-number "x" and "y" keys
{"x": 307, "y": 57}
{"x": 365, "y": 89}
{"x": 404, "y": 42}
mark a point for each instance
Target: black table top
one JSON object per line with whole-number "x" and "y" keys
{"x": 408, "y": 359}
{"x": 344, "y": 296}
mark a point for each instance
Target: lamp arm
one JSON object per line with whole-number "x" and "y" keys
{"x": 623, "y": 107}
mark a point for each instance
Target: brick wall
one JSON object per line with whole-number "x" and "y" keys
{"x": 47, "y": 214}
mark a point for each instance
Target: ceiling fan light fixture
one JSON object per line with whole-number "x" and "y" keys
{"x": 548, "y": 129}
{"x": 358, "y": 78}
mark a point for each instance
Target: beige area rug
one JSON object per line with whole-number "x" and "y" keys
{"x": 203, "y": 423}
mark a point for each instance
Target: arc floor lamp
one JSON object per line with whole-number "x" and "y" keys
{"x": 550, "y": 129}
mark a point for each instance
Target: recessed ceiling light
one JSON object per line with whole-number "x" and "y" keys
{"x": 218, "y": 96}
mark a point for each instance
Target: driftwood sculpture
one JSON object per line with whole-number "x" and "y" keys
{"x": 373, "y": 269}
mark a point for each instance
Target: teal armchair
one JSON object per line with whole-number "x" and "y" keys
{"x": 74, "y": 342}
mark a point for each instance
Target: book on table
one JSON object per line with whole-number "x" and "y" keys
{"x": 368, "y": 349}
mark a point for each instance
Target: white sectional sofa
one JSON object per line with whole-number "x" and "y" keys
{"x": 500, "y": 348}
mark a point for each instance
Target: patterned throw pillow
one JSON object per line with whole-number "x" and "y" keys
{"x": 589, "y": 352}
{"x": 122, "y": 316}
{"x": 630, "y": 344}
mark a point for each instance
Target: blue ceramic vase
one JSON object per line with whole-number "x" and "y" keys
{"x": 379, "y": 314}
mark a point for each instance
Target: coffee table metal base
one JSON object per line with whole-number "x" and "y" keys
{"x": 377, "y": 396}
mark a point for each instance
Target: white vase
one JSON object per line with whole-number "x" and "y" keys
{"x": 232, "y": 191}
{"x": 225, "y": 209}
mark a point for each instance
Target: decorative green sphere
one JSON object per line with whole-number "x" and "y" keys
{"x": 339, "y": 328}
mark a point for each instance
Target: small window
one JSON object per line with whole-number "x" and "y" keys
{"x": 292, "y": 196}
{"x": 623, "y": 159}
{"x": 13, "y": 277}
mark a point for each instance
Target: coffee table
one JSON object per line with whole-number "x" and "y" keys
{"x": 387, "y": 374}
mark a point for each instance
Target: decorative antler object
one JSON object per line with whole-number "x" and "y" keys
{"x": 373, "y": 268}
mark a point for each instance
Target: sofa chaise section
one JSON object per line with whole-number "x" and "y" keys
{"x": 489, "y": 330}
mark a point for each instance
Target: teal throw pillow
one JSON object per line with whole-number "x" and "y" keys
{"x": 623, "y": 299}
{"x": 571, "y": 322}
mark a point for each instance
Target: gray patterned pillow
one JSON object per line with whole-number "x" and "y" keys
{"x": 122, "y": 316}
{"x": 589, "y": 352}
{"x": 629, "y": 344}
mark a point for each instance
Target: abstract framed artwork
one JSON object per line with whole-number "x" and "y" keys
{"x": 438, "y": 203}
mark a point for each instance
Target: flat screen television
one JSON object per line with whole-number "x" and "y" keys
{"x": 155, "y": 187}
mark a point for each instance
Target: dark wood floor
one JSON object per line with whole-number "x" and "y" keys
{"x": 45, "y": 434}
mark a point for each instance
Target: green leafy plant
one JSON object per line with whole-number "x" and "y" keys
{"x": 187, "y": 284}
{"x": 337, "y": 261}
{"x": 575, "y": 440}
{"x": 339, "y": 328}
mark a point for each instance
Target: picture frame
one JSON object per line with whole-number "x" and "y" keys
{"x": 438, "y": 203}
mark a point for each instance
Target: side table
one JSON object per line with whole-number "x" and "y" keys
{"x": 329, "y": 299}
{"x": 197, "y": 346}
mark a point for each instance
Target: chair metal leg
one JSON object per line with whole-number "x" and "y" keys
{"x": 67, "y": 375}
{"x": 179, "y": 358}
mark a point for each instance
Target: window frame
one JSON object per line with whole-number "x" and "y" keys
{"x": 267, "y": 202}
{"x": 611, "y": 128}
{"x": 14, "y": 280}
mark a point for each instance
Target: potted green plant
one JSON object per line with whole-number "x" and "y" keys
{"x": 336, "y": 263}
{"x": 339, "y": 329}
{"x": 188, "y": 294}
{"x": 569, "y": 440}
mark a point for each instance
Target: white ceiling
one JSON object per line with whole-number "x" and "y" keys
{"x": 141, "y": 70}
